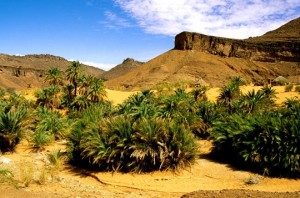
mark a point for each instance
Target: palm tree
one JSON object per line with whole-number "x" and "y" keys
{"x": 252, "y": 101}
{"x": 200, "y": 93}
{"x": 48, "y": 97}
{"x": 149, "y": 149}
{"x": 96, "y": 90}
{"x": 170, "y": 107}
{"x": 181, "y": 93}
{"x": 261, "y": 100}
{"x": 292, "y": 103}
{"x": 18, "y": 100}
{"x": 178, "y": 106}
{"x": 73, "y": 74}
{"x": 80, "y": 102}
{"x": 269, "y": 93}
{"x": 85, "y": 82}
{"x": 109, "y": 146}
{"x": 54, "y": 76}
{"x": 230, "y": 93}
{"x": 147, "y": 93}
{"x": 143, "y": 110}
{"x": 136, "y": 99}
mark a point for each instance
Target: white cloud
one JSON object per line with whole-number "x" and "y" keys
{"x": 230, "y": 18}
{"x": 99, "y": 65}
{"x": 19, "y": 55}
{"x": 103, "y": 66}
{"x": 113, "y": 21}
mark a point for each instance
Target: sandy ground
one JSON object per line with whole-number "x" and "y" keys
{"x": 204, "y": 175}
{"x": 281, "y": 95}
{"x": 117, "y": 97}
{"x": 213, "y": 179}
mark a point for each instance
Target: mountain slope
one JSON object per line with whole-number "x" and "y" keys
{"x": 215, "y": 60}
{"x": 121, "y": 69}
{"x": 20, "y": 72}
{"x": 287, "y": 32}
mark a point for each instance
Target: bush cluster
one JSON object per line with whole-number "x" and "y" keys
{"x": 139, "y": 135}
{"x": 13, "y": 118}
{"x": 155, "y": 131}
{"x": 254, "y": 134}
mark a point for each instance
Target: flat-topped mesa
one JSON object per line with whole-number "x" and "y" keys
{"x": 265, "y": 51}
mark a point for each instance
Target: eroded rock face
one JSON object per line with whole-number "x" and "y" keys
{"x": 265, "y": 51}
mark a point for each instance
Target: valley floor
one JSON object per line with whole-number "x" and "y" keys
{"x": 211, "y": 178}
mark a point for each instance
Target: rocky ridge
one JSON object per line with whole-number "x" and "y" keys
{"x": 127, "y": 65}
{"x": 19, "y": 72}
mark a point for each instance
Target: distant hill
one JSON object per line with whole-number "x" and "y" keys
{"x": 214, "y": 60}
{"x": 121, "y": 69}
{"x": 20, "y": 72}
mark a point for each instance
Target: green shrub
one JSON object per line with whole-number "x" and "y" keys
{"x": 86, "y": 120}
{"x": 260, "y": 101}
{"x": 48, "y": 97}
{"x": 74, "y": 141}
{"x": 108, "y": 146}
{"x": 288, "y": 87}
{"x": 280, "y": 80}
{"x": 17, "y": 100}
{"x": 124, "y": 144}
{"x": 230, "y": 93}
{"x": 2, "y": 93}
{"x": 268, "y": 141}
{"x": 206, "y": 113}
{"x": 50, "y": 125}
{"x": 297, "y": 88}
{"x": 41, "y": 137}
{"x": 12, "y": 123}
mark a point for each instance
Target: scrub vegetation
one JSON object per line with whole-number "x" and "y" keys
{"x": 154, "y": 130}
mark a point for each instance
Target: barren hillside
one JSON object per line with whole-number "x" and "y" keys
{"x": 126, "y": 66}
{"x": 19, "y": 72}
{"x": 214, "y": 60}
{"x": 287, "y": 32}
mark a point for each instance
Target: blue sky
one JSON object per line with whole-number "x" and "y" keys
{"x": 104, "y": 33}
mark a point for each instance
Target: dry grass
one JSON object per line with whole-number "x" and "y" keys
{"x": 26, "y": 172}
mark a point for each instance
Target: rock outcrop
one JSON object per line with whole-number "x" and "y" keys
{"x": 264, "y": 51}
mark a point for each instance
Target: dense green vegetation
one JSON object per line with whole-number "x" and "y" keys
{"x": 154, "y": 130}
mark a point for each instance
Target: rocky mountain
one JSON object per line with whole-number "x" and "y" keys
{"x": 127, "y": 65}
{"x": 214, "y": 60}
{"x": 20, "y": 72}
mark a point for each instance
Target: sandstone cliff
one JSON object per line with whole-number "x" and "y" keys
{"x": 265, "y": 51}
